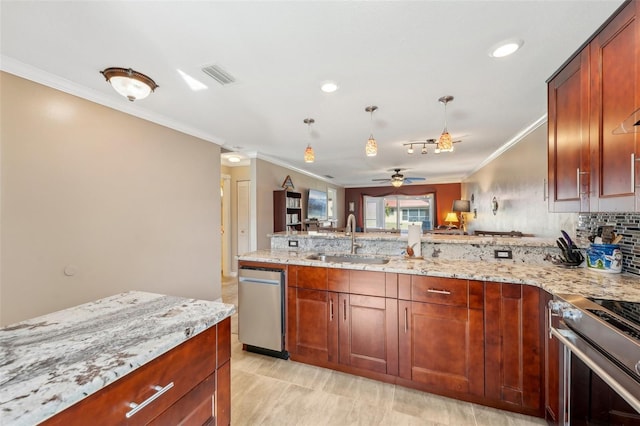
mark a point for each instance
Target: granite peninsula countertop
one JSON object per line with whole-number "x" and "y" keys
{"x": 51, "y": 362}
{"x": 551, "y": 278}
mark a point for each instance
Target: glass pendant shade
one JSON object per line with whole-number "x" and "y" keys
{"x": 129, "y": 83}
{"x": 445, "y": 144}
{"x": 372, "y": 147}
{"x": 309, "y": 155}
{"x": 395, "y": 182}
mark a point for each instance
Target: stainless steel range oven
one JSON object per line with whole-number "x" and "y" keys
{"x": 599, "y": 360}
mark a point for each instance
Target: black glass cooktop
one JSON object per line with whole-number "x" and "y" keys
{"x": 627, "y": 310}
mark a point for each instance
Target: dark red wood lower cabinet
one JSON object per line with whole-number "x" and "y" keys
{"x": 513, "y": 346}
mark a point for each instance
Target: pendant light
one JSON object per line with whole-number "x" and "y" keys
{"x": 309, "y": 155}
{"x": 131, "y": 84}
{"x": 445, "y": 143}
{"x": 371, "y": 149}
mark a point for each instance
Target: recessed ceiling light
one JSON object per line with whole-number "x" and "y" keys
{"x": 329, "y": 86}
{"x": 505, "y": 48}
{"x": 233, "y": 159}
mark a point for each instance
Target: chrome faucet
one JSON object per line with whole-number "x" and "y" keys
{"x": 351, "y": 230}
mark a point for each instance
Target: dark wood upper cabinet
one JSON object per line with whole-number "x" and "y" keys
{"x": 568, "y": 138}
{"x": 590, "y": 167}
{"x": 615, "y": 93}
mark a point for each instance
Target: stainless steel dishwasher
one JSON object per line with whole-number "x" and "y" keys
{"x": 261, "y": 311}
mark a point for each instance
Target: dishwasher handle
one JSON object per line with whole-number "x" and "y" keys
{"x": 263, "y": 276}
{"x": 258, "y": 281}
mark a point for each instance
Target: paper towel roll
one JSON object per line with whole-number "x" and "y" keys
{"x": 414, "y": 239}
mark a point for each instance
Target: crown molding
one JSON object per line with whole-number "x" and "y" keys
{"x": 20, "y": 69}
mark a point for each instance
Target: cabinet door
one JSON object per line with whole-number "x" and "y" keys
{"x": 568, "y": 137}
{"x": 368, "y": 332}
{"x": 513, "y": 347}
{"x": 442, "y": 346}
{"x": 615, "y": 94}
{"x": 551, "y": 366}
{"x": 308, "y": 324}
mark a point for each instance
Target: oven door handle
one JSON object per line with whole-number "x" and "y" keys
{"x": 564, "y": 336}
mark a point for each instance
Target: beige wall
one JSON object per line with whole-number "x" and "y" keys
{"x": 517, "y": 179}
{"x": 120, "y": 202}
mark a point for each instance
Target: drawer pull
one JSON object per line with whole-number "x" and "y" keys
{"x": 435, "y": 290}
{"x": 330, "y": 309}
{"x": 137, "y": 407}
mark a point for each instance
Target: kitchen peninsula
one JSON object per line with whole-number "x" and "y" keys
{"x": 137, "y": 355}
{"x": 471, "y": 327}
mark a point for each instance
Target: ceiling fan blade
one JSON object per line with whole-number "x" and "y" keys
{"x": 414, "y": 179}
{"x": 381, "y": 180}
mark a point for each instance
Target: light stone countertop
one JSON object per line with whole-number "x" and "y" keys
{"x": 553, "y": 279}
{"x": 51, "y": 362}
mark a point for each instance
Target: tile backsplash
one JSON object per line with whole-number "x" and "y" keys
{"x": 626, "y": 224}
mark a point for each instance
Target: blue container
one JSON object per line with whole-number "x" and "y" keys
{"x": 605, "y": 258}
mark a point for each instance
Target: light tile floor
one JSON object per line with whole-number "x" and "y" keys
{"x": 271, "y": 391}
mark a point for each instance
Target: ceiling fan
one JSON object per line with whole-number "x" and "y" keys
{"x": 397, "y": 179}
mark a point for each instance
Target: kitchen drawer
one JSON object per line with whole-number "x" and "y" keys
{"x": 195, "y": 408}
{"x": 311, "y": 277}
{"x": 443, "y": 291}
{"x": 185, "y": 366}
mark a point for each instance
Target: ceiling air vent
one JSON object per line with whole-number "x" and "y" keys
{"x": 218, "y": 74}
{"x": 328, "y": 176}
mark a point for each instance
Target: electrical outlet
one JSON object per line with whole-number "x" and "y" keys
{"x": 502, "y": 254}
{"x": 293, "y": 243}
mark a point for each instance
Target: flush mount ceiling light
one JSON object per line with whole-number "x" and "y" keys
{"x": 371, "y": 148}
{"x": 445, "y": 143}
{"x": 505, "y": 48}
{"x": 329, "y": 86}
{"x": 233, "y": 159}
{"x": 309, "y": 155}
{"x": 131, "y": 84}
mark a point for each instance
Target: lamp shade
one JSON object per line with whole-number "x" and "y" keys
{"x": 451, "y": 217}
{"x": 461, "y": 206}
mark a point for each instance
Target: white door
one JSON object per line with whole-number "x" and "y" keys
{"x": 244, "y": 214}
{"x": 226, "y": 225}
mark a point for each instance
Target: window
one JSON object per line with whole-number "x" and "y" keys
{"x": 398, "y": 212}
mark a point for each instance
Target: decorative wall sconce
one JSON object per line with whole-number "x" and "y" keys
{"x": 494, "y": 205}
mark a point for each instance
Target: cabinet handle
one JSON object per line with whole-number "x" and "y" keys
{"x": 406, "y": 314}
{"x": 344, "y": 311}
{"x": 330, "y": 309}
{"x": 633, "y": 172}
{"x": 137, "y": 407}
{"x": 578, "y": 182}
{"x": 435, "y": 290}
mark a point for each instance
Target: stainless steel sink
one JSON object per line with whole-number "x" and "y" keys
{"x": 349, "y": 258}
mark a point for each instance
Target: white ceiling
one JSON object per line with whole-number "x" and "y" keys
{"x": 399, "y": 55}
